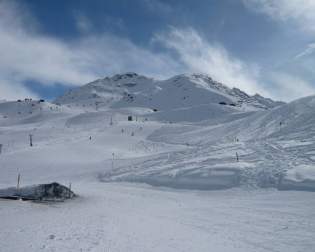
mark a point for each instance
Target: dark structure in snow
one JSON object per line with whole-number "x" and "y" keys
{"x": 42, "y": 192}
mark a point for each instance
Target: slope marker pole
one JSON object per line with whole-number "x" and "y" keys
{"x": 18, "y": 185}
{"x": 31, "y": 140}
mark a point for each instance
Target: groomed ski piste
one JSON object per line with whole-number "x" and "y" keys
{"x": 185, "y": 164}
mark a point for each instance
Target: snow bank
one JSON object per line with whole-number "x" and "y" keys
{"x": 219, "y": 179}
{"x": 301, "y": 178}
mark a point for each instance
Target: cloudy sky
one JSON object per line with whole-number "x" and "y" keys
{"x": 259, "y": 46}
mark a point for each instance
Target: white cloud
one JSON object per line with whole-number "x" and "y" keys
{"x": 294, "y": 80}
{"x": 11, "y": 90}
{"x": 298, "y": 11}
{"x": 109, "y": 54}
{"x": 290, "y": 87}
{"x": 201, "y": 56}
{"x": 310, "y": 49}
{"x": 26, "y": 54}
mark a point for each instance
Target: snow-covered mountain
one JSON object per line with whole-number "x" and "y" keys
{"x": 179, "y": 94}
{"x": 222, "y": 122}
{"x": 219, "y": 138}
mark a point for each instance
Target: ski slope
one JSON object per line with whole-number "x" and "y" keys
{"x": 264, "y": 140}
{"x": 268, "y": 145}
{"x": 172, "y": 143}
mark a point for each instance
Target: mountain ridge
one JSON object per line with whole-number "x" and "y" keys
{"x": 131, "y": 89}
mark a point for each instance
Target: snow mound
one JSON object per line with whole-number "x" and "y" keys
{"x": 216, "y": 179}
{"x": 300, "y": 178}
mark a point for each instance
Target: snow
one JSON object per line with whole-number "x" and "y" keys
{"x": 124, "y": 217}
{"x": 193, "y": 92}
{"x": 167, "y": 181}
{"x": 299, "y": 178}
{"x": 302, "y": 172}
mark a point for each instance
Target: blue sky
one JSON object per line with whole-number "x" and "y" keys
{"x": 259, "y": 46}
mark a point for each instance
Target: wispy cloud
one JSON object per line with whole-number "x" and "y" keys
{"x": 199, "y": 55}
{"x": 297, "y": 74}
{"x": 299, "y": 11}
{"x": 10, "y": 89}
{"x": 289, "y": 86}
{"x": 26, "y": 54}
{"x": 310, "y": 49}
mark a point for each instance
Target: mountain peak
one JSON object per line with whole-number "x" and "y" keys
{"x": 184, "y": 91}
{"x": 127, "y": 75}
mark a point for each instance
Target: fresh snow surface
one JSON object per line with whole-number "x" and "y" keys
{"x": 124, "y": 217}
{"x": 180, "y": 158}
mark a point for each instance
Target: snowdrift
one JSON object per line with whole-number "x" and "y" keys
{"x": 301, "y": 178}
{"x": 194, "y": 178}
{"x": 291, "y": 185}
{"x": 220, "y": 179}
